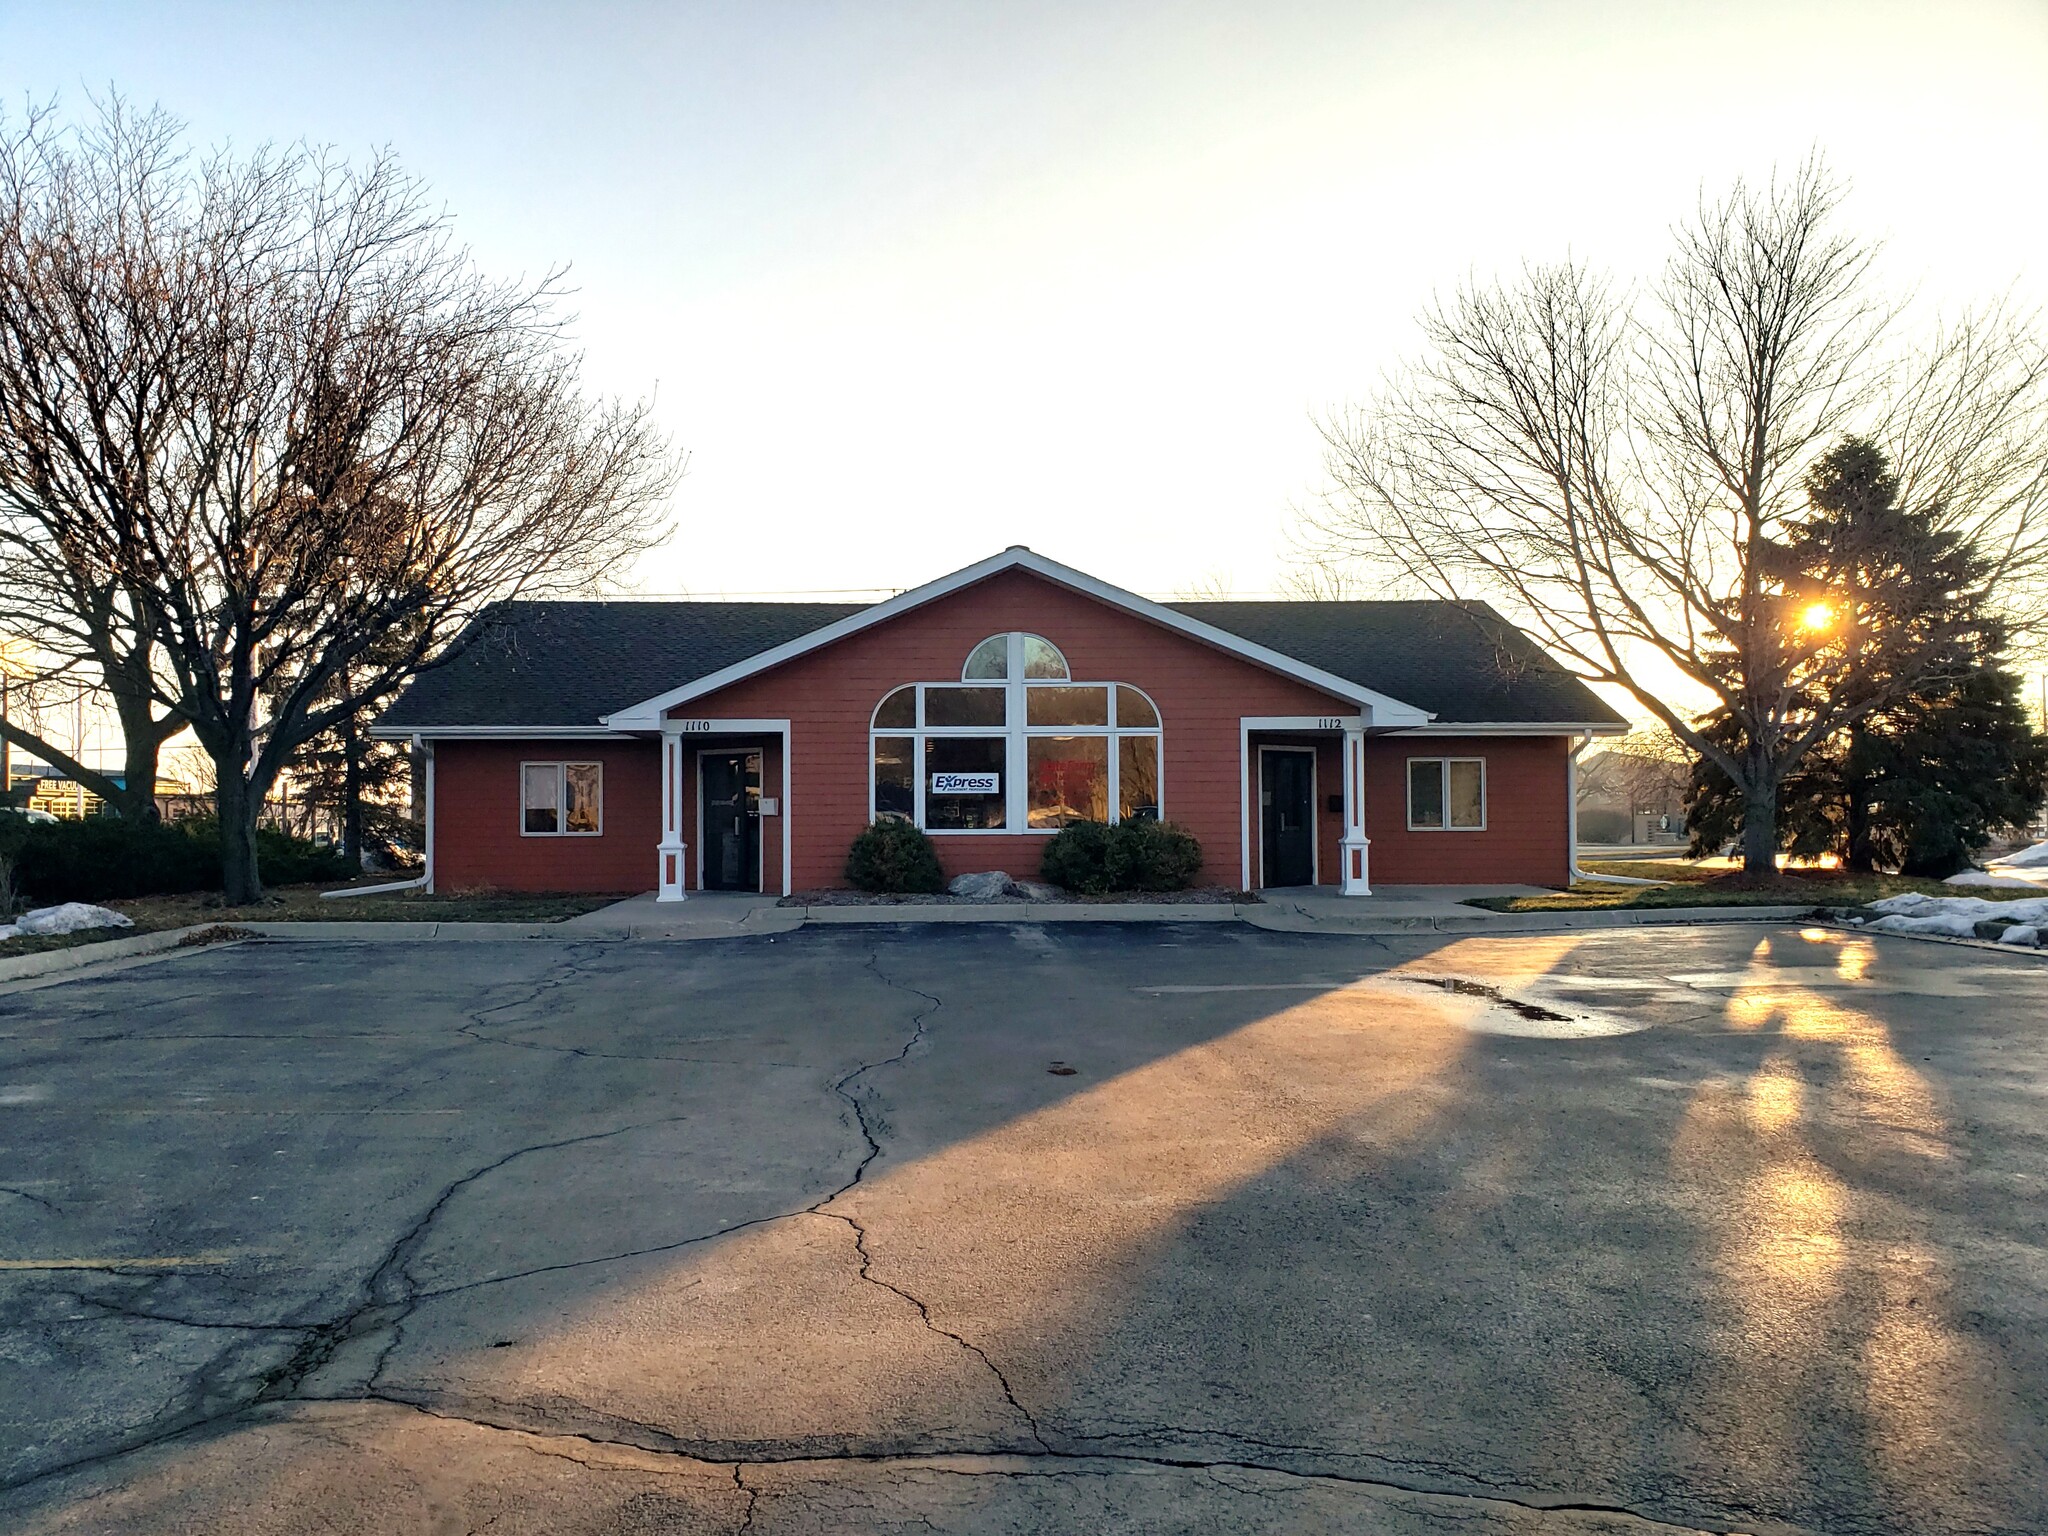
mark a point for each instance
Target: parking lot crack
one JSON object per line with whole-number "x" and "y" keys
{"x": 577, "y": 1446}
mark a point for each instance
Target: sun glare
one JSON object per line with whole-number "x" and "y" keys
{"x": 1816, "y": 616}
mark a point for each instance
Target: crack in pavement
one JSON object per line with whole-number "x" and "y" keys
{"x": 389, "y": 1295}
{"x": 1011, "y": 1463}
{"x": 860, "y": 1235}
{"x": 49, "y": 1205}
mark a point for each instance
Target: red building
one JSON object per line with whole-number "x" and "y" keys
{"x": 618, "y": 746}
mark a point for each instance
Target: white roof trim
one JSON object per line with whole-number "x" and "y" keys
{"x": 1385, "y": 710}
{"x": 1511, "y": 728}
{"x": 499, "y": 732}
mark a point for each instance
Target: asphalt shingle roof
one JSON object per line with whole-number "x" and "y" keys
{"x": 571, "y": 663}
{"x": 1459, "y": 661}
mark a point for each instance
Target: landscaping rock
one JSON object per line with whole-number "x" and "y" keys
{"x": 983, "y": 887}
{"x": 1993, "y": 927}
{"x": 1035, "y": 890}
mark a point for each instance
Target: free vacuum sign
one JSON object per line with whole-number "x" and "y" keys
{"x": 967, "y": 783}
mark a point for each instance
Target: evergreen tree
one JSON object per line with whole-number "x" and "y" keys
{"x": 1919, "y": 777}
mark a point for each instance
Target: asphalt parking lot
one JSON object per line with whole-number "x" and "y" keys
{"x": 1083, "y": 1228}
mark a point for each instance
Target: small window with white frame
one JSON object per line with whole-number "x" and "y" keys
{"x": 561, "y": 799}
{"x": 1446, "y": 794}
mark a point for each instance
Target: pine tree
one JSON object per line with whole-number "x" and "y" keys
{"x": 1922, "y": 777}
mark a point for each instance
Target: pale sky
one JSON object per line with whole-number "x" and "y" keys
{"x": 916, "y": 281}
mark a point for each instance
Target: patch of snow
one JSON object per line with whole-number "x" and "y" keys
{"x": 1954, "y": 917}
{"x": 70, "y": 917}
{"x": 2035, "y": 857}
{"x": 2002, "y": 878}
{"x": 2021, "y": 933}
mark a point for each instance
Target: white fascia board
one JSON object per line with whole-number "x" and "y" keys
{"x": 646, "y": 716}
{"x": 500, "y": 733}
{"x": 1510, "y": 728}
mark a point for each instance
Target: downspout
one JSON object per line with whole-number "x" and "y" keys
{"x": 424, "y": 881}
{"x": 1571, "y": 823}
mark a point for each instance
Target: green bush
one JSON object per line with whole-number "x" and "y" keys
{"x": 1147, "y": 855}
{"x": 104, "y": 858}
{"x": 892, "y": 855}
{"x": 1077, "y": 859}
{"x": 1136, "y": 855}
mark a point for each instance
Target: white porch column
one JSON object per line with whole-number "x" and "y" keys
{"x": 1353, "y": 846}
{"x": 672, "y": 852}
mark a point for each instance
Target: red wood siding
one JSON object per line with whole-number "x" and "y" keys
{"x": 829, "y": 697}
{"x": 476, "y": 819}
{"x": 1524, "y": 842}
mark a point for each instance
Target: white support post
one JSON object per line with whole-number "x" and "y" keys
{"x": 672, "y": 851}
{"x": 1354, "y": 845}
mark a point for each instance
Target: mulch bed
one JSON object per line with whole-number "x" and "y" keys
{"x": 1200, "y": 896}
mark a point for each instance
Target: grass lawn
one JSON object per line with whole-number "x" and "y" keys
{"x": 1691, "y": 886}
{"x": 302, "y": 903}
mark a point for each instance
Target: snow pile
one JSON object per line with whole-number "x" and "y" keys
{"x": 71, "y": 917}
{"x": 1955, "y": 917}
{"x": 2026, "y": 869}
{"x": 1998, "y": 878}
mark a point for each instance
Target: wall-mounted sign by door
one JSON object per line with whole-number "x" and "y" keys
{"x": 967, "y": 783}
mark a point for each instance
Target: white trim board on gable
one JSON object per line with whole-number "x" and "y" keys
{"x": 1383, "y": 711}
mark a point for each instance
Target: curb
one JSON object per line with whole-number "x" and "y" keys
{"x": 52, "y": 962}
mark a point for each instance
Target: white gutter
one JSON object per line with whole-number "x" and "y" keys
{"x": 1571, "y": 823}
{"x": 425, "y": 879}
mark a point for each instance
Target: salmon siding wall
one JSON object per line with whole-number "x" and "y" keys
{"x": 1525, "y": 840}
{"x": 830, "y": 697}
{"x": 476, "y": 819}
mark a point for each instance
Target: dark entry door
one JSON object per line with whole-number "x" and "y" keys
{"x": 732, "y": 820}
{"x": 1287, "y": 800}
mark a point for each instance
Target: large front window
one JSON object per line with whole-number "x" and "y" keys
{"x": 1016, "y": 745}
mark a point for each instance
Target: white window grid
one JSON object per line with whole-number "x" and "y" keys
{"x": 561, "y": 773}
{"x": 1016, "y": 733}
{"x": 1443, "y": 765}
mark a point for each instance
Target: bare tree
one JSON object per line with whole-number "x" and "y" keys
{"x": 356, "y": 444}
{"x": 1622, "y": 470}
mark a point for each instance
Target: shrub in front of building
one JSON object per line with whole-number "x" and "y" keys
{"x": 1136, "y": 855}
{"x": 894, "y": 857}
{"x": 103, "y": 858}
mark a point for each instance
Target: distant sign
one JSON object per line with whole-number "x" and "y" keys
{"x": 967, "y": 783}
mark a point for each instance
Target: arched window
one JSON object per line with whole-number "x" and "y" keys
{"x": 1015, "y": 746}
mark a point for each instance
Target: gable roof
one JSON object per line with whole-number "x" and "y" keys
{"x": 1383, "y": 709}
{"x": 600, "y": 668}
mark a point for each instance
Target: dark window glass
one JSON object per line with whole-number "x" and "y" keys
{"x": 1137, "y": 776}
{"x": 963, "y": 782}
{"x": 1426, "y": 792}
{"x": 895, "y": 780}
{"x": 1133, "y": 708}
{"x": 963, "y": 706}
{"x": 898, "y": 711}
{"x": 1042, "y": 658}
{"x": 1066, "y": 706}
{"x": 991, "y": 658}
